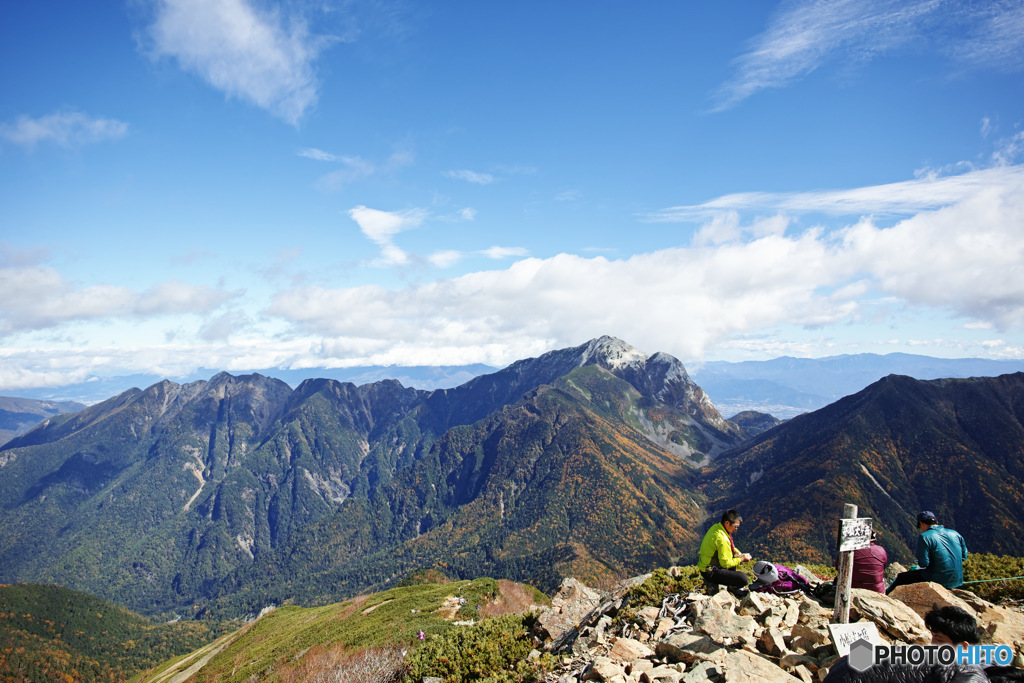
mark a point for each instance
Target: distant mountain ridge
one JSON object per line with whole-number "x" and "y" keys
{"x": 18, "y": 415}
{"x": 787, "y": 386}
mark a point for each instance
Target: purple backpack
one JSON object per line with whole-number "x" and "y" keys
{"x": 788, "y": 582}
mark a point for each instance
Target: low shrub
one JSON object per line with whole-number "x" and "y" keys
{"x": 494, "y": 651}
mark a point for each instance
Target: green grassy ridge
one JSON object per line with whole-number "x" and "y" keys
{"x": 51, "y": 633}
{"x": 278, "y": 641}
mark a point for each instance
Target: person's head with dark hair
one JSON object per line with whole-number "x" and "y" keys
{"x": 951, "y": 626}
{"x": 732, "y": 517}
{"x": 998, "y": 674}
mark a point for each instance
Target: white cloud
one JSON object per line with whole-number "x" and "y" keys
{"x": 997, "y": 38}
{"x": 470, "y": 177}
{"x": 67, "y": 129}
{"x": 259, "y": 56}
{"x": 445, "y": 259}
{"x": 808, "y": 34}
{"x": 900, "y": 198}
{"x": 381, "y": 227}
{"x": 960, "y": 260}
{"x": 35, "y": 297}
{"x": 467, "y": 214}
{"x": 504, "y": 252}
{"x": 317, "y": 154}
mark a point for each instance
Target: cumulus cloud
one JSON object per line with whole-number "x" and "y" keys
{"x": 471, "y": 177}
{"x": 67, "y": 129}
{"x": 806, "y": 35}
{"x": 382, "y": 226}
{"x": 961, "y": 259}
{"x": 260, "y": 56}
{"x": 34, "y": 297}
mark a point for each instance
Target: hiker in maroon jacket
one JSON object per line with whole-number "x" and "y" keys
{"x": 869, "y": 565}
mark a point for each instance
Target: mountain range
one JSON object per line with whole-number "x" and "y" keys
{"x": 218, "y": 497}
{"x": 18, "y": 415}
{"x": 787, "y": 386}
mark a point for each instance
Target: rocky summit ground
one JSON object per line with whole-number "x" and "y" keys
{"x": 694, "y": 638}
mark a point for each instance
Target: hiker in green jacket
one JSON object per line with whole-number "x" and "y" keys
{"x": 718, "y": 556}
{"x": 940, "y": 555}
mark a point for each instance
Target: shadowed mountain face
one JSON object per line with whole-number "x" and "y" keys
{"x": 240, "y": 489}
{"x": 900, "y": 446}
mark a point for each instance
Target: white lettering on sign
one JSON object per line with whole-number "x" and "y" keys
{"x": 845, "y": 635}
{"x": 854, "y": 534}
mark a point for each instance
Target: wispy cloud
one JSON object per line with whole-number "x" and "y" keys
{"x": 808, "y": 34}
{"x": 381, "y": 227}
{"x": 355, "y": 168}
{"x": 67, "y": 129}
{"x": 261, "y": 56}
{"x": 900, "y": 198}
{"x": 317, "y": 154}
{"x": 471, "y": 177}
{"x": 996, "y": 39}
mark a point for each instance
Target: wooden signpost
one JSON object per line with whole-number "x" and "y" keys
{"x": 854, "y": 533}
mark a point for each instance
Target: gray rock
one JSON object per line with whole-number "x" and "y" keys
{"x": 891, "y": 616}
{"x": 687, "y": 648}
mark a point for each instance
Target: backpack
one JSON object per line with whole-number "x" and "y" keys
{"x": 789, "y": 582}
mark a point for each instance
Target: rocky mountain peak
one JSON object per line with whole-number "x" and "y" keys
{"x": 612, "y": 353}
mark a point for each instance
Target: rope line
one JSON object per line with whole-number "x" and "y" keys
{"x": 1008, "y": 578}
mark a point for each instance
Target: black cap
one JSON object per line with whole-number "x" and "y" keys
{"x": 927, "y": 517}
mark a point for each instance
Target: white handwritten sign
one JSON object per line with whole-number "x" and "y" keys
{"x": 845, "y": 635}
{"x": 854, "y": 533}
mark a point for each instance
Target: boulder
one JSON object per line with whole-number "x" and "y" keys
{"x": 704, "y": 671}
{"x": 772, "y": 643}
{"x": 605, "y": 669}
{"x": 753, "y": 605}
{"x": 661, "y": 674}
{"x": 741, "y": 666}
{"x": 892, "y": 617}
{"x": 805, "y": 638}
{"x": 688, "y": 648}
{"x": 810, "y": 611}
{"x": 626, "y": 650}
{"x": 923, "y": 597}
{"x": 571, "y": 604}
{"x": 721, "y": 624}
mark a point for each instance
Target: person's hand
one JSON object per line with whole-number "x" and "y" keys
{"x": 746, "y": 557}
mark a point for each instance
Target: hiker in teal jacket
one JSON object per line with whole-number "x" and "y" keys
{"x": 940, "y": 555}
{"x": 718, "y": 556}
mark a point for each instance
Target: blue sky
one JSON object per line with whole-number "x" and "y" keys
{"x": 240, "y": 184}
